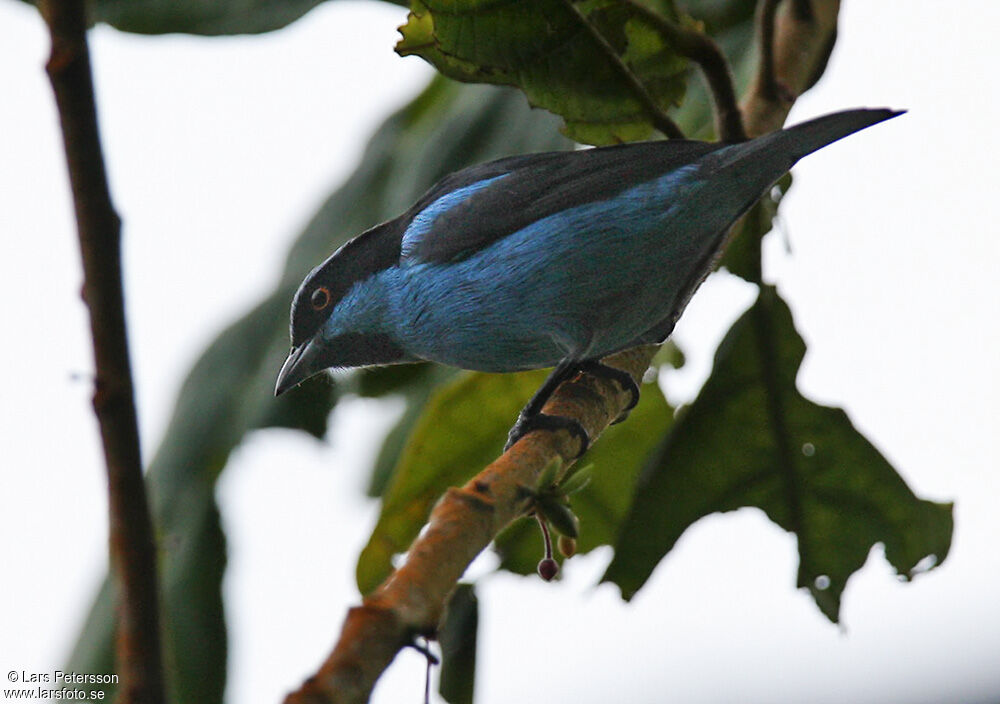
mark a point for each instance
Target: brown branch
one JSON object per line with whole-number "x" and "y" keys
{"x": 700, "y": 48}
{"x": 133, "y": 556}
{"x": 462, "y": 525}
{"x": 660, "y": 119}
{"x": 796, "y": 37}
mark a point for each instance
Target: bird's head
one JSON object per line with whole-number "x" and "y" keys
{"x": 335, "y": 311}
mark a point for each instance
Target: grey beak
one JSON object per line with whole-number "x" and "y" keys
{"x": 297, "y": 368}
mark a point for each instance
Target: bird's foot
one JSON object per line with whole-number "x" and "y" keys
{"x": 620, "y": 377}
{"x": 542, "y": 421}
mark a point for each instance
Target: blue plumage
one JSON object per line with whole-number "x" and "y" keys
{"x": 544, "y": 259}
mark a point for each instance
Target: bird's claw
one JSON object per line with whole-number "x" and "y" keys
{"x": 620, "y": 377}
{"x": 543, "y": 421}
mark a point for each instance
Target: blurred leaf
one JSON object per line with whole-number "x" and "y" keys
{"x": 303, "y": 408}
{"x": 751, "y": 439}
{"x": 457, "y": 636}
{"x": 230, "y": 390}
{"x": 617, "y": 459}
{"x": 462, "y": 429}
{"x": 416, "y": 393}
{"x": 374, "y": 382}
{"x": 206, "y": 17}
{"x": 542, "y": 48}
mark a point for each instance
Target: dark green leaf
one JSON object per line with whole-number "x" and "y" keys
{"x": 617, "y": 458}
{"x": 457, "y": 636}
{"x": 206, "y": 17}
{"x": 374, "y": 382}
{"x": 559, "y": 515}
{"x": 230, "y": 390}
{"x": 543, "y": 48}
{"x": 751, "y": 439}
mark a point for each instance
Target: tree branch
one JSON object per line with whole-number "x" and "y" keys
{"x": 462, "y": 525}
{"x": 700, "y": 48}
{"x": 796, "y": 38}
{"x": 659, "y": 118}
{"x": 133, "y": 556}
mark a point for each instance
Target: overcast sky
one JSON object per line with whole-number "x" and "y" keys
{"x": 219, "y": 151}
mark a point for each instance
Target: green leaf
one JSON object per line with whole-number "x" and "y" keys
{"x": 462, "y": 429}
{"x": 416, "y": 392}
{"x": 616, "y": 459}
{"x": 205, "y": 17}
{"x": 457, "y": 636}
{"x": 543, "y": 48}
{"x": 751, "y": 439}
{"x": 230, "y": 390}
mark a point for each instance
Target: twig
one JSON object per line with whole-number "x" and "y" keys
{"x": 461, "y": 526}
{"x": 803, "y": 10}
{"x": 795, "y": 42}
{"x": 700, "y": 48}
{"x": 767, "y": 82}
{"x": 133, "y": 556}
{"x": 659, "y": 118}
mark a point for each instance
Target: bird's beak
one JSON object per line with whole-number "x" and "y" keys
{"x": 298, "y": 367}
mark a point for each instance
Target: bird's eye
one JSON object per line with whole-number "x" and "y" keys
{"x": 320, "y": 298}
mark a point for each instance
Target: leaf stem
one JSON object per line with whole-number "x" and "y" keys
{"x": 767, "y": 82}
{"x": 700, "y": 48}
{"x": 133, "y": 555}
{"x": 660, "y": 120}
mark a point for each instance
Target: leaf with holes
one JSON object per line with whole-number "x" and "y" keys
{"x": 751, "y": 439}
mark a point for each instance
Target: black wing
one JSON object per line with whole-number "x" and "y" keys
{"x": 534, "y": 186}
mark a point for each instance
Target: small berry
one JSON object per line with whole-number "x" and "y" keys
{"x": 548, "y": 569}
{"x": 567, "y": 546}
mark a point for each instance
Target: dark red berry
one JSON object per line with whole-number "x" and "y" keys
{"x": 548, "y": 569}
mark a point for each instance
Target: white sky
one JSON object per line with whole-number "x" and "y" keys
{"x": 219, "y": 151}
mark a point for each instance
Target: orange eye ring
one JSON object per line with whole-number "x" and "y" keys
{"x": 320, "y": 298}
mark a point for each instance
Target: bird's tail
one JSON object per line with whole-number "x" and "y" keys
{"x": 780, "y": 150}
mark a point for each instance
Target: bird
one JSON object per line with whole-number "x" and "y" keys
{"x": 553, "y": 259}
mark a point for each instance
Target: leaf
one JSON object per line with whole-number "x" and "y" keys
{"x": 457, "y": 636}
{"x": 543, "y": 48}
{"x": 205, "y": 17}
{"x": 229, "y": 392}
{"x": 617, "y": 458}
{"x": 751, "y": 439}
{"x": 416, "y": 392}
{"x": 462, "y": 429}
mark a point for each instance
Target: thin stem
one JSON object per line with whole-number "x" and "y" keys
{"x": 659, "y": 118}
{"x": 803, "y": 10}
{"x": 767, "y": 81}
{"x": 133, "y": 556}
{"x": 703, "y": 51}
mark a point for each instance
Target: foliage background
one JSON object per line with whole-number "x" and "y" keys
{"x": 220, "y": 149}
